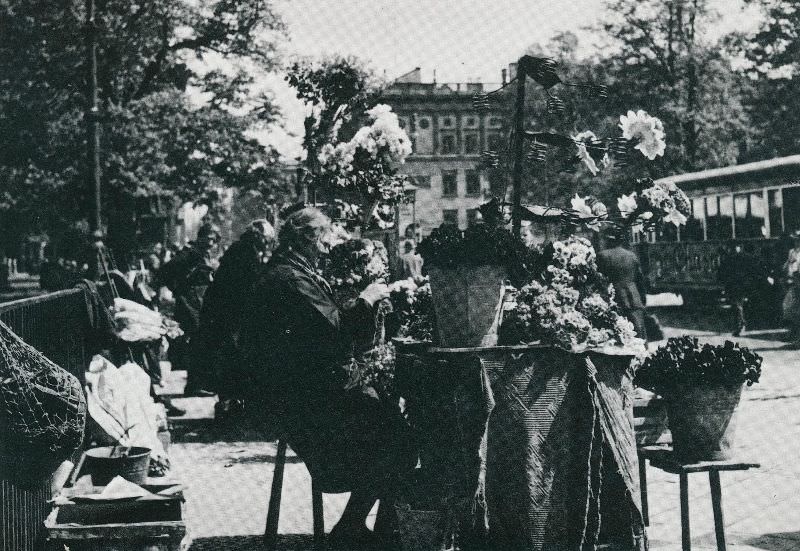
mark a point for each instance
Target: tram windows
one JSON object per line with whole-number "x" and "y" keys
{"x": 791, "y": 209}
{"x": 719, "y": 215}
{"x": 775, "y": 200}
{"x": 749, "y": 211}
{"x": 693, "y": 231}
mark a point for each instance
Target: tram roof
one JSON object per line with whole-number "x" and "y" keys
{"x": 748, "y": 172}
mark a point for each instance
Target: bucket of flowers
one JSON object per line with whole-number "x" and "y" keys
{"x": 468, "y": 275}
{"x": 702, "y": 386}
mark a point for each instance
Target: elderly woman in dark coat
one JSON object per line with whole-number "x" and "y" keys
{"x": 216, "y": 357}
{"x": 296, "y": 339}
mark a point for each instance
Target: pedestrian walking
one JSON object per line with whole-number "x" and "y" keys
{"x": 791, "y": 299}
{"x": 410, "y": 262}
{"x": 743, "y": 278}
{"x": 621, "y": 266}
{"x": 217, "y": 361}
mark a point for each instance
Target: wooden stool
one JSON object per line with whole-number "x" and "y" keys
{"x": 663, "y": 458}
{"x": 274, "y": 510}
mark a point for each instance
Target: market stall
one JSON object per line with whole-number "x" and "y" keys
{"x": 545, "y": 437}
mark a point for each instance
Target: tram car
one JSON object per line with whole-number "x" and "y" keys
{"x": 756, "y": 205}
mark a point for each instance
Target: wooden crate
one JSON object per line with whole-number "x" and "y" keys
{"x": 70, "y": 527}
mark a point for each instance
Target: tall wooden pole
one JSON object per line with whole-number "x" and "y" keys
{"x": 519, "y": 142}
{"x": 92, "y": 115}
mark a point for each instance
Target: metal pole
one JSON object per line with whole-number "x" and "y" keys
{"x": 92, "y": 114}
{"x": 519, "y": 141}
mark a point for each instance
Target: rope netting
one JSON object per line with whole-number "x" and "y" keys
{"x": 43, "y": 406}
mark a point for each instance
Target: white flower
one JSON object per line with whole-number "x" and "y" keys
{"x": 583, "y": 153}
{"x": 379, "y": 110}
{"x": 585, "y": 136}
{"x": 627, "y": 204}
{"x": 580, "y": 206}
{"x": 675, "y": 217}
{"x": 647, "y": 130}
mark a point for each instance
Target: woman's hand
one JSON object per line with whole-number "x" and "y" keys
{"x": 374, "y": 292}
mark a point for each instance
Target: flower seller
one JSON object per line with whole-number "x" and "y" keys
{"x": 295, "y": 337}
{"x": 216, "y": 357}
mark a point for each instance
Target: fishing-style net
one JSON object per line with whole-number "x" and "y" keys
{"x": 43, "y": 408}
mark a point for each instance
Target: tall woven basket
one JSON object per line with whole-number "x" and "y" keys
{"x": 468, "y": 301}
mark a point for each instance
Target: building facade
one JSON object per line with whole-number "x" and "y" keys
{"x": 448, "y": 138}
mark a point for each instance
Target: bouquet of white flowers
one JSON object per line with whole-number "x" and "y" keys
{"x": 570, "y": 304}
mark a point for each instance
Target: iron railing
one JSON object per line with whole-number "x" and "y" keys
{"x": 56, "y": 324}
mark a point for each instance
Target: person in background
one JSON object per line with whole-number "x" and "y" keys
{"x": 621, "y": 266}
{"x": 742, "y": 277}
{"x": 410, "y": 262}
{"x": 217, "y": 361}
{"x": 188, "y": 276}
{"x": 296, "y": 340}
{"x": 791, "y": 300}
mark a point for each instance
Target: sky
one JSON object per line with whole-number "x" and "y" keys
{"x": 461, "y": 40}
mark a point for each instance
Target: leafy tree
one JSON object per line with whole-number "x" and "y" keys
{"x": 156, "y": 139}
{"x": 773, "y": 54}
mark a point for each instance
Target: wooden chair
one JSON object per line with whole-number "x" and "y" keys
{"x": 274, "y": 510}
{"x": 664, "y": 459}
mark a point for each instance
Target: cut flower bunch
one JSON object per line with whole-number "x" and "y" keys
{"x": 570, "y": 305}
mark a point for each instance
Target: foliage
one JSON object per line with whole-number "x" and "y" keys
{"x": 351, "y": 266}
{"x": 479, "y": 245}
{"x": 683, "y": 362}
{"x": 570, "y": 304}
{"x": 150, "y": 130}
{"x": 412, "y": 308}
{"x": 375, "y": 368}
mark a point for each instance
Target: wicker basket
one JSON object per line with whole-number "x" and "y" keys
{"x": 468, "y": 302}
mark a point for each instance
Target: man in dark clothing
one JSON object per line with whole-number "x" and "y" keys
{"x": 296, "y": 339}
{"x": 188, "y": 275}
{"x": 743, "y": 277}
{"x": 621, "y": 267}
{"x": 217, "y": 361}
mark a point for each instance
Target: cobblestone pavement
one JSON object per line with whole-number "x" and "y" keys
{"x": 229, "y": 471}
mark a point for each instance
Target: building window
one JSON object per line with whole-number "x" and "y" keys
{"x": 497, "y": 182}
{"x": 422, "y": 181}
{"x": 470, "y": 122}
{"x": 472, "y": 144}
{"x": 791, "y": 208}
{"x": 473, "y": 178}
{"x": 494, "y": 141}
{"x": 424, "y": 123}
{"x": 447, "y": 144}
{"x": 472, "y": 217}
{"x": 495, "y": 122}
{"x": 450, "y": 217}
{"x": 449, "y": 183}
{"x": 447, "y": 122}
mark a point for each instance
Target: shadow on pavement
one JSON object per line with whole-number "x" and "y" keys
{"x": 209, "y": 430}
{"x": 782, "y": 541}
{"x": 293, "y": 542}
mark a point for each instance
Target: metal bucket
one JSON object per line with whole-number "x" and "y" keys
{"x": 131, "y": 463}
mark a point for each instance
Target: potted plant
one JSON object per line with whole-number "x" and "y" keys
{"x": 702, "y": 386}
{"x": 468, "y": 273}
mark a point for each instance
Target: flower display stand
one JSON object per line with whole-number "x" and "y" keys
{"x": 541, "y": 438}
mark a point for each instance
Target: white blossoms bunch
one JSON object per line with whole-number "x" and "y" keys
{"x": 647, "y": 130}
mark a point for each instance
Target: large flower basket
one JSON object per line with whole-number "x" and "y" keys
{"x": 702, "y": 421}
{"x": 468, "y": 302}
